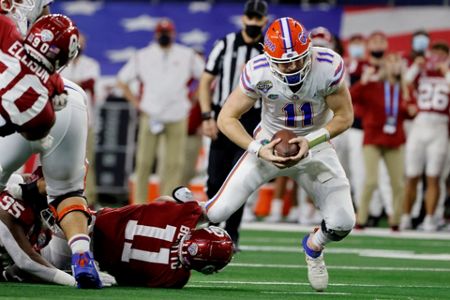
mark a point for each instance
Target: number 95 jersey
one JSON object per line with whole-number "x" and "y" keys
{"x": 303, "y": 111}
{"x": 138, "y": 244}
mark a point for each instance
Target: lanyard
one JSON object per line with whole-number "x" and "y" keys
{"x": 391, "y": 111}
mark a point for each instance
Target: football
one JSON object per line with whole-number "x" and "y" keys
{"x": 283, "y": 148}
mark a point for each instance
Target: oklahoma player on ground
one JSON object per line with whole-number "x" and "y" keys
{"x": 26, "y": 87}
{"x": 62, "y": 158}
{"x": 152, "y": 245}
{"x": 22, "y": 235}
{"x": 427, "y": 143}
{"x": 302, "y": 90}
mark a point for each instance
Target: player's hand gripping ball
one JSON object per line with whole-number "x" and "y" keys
{"x": 283, "y": 148}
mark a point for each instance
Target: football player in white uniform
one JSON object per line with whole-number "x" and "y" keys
{"x": 302, "y": 89}
{"x": 63, "y": 162}
{"x": 427, "y": 143}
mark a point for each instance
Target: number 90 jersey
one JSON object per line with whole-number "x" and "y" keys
{"x": 25, "y": 86}
{"x": 303, "y": 111}
{"x": 138, "y": 244}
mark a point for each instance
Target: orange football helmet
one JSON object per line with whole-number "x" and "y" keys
{"x": 287, "y": 47}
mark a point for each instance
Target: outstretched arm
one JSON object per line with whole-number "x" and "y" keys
{"x": 14, "y": 240}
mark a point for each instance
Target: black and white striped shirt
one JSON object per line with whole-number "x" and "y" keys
{"x": 227, "y": 60}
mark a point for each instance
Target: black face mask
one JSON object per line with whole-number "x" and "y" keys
{"x": 164, "y": 40}
{"x": 377, "y": 54}
{"x": 253, "y": 31}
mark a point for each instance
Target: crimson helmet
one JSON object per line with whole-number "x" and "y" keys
{"x": 52, "y": 41}
{"x": 206, "y": 250}
{"x": 18, "y": 9}
{"x": 287, "y": 43}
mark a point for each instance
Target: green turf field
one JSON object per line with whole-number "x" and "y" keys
{"x": 271, "y": 266}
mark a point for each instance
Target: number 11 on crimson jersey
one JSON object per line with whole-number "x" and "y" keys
{"x": 133, "y": 229}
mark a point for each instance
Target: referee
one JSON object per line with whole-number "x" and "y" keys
{"x": 226, "y": 61}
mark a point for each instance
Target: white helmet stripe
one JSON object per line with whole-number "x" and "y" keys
{"x": 286, "y": 34}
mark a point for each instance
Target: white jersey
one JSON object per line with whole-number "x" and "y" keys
{"x": 304, "y": 111}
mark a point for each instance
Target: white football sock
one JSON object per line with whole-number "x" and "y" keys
{"x": 79, "y": 243}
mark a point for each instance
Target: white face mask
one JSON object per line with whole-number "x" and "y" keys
{"x": 420, "y": 43}
{"x": 356, "y": 50}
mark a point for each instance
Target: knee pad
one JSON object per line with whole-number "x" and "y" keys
{"x": 334, "y": 235}
{"x": 76, "y": 207}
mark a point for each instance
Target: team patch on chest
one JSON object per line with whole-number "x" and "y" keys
{"x": 264, "y": 86}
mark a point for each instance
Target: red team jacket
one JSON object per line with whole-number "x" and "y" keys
{"x": 25, "y": 87}
{"x": 371, "y": 100}
{"x": 137, "y": 244}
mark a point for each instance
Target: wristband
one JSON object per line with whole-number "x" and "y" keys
{"x": 317, "y": 137}
{"x": 254, "y": 147}
{"x": 207, "y": 115}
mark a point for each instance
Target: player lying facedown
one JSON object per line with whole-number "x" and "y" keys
{"x": 153, "y": 245}
{"x": 31, "y": 90}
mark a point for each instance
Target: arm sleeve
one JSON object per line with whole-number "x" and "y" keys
{"x": 213, "y": 64}
{"x": 27, "y": 264}
{"x": 337, "y": 75}
{"x": 245, "y": 82}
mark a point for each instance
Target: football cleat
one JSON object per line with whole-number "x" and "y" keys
{"x": 85, "y": 271}
{"x": 183, "y": 194}
{"x": 317, "y": 271}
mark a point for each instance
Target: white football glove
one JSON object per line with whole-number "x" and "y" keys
{"x": 60, "y": 101}
{"x": 13, "y": 186}
{"x": 107, "y": 279}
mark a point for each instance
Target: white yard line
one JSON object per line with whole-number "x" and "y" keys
{"x": 400, "y": 254}
{"x": 199, "y": 283}
{"x": 399, "y": 269}
{"x": 378, "y": 232}
{"x": 307, "y": 293}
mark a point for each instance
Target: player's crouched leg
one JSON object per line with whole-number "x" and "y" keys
{"x": 73, "y": 217}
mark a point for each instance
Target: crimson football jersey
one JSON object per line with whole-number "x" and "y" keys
{"x": 137, "y": 244}
{"x": 27, "y": 217}
{"x": 25, "y": 86}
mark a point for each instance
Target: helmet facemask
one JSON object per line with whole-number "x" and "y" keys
{"x": 300, "y": 65}
{"x": 206, "y": 250}
{"x": 18, "y": 10}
